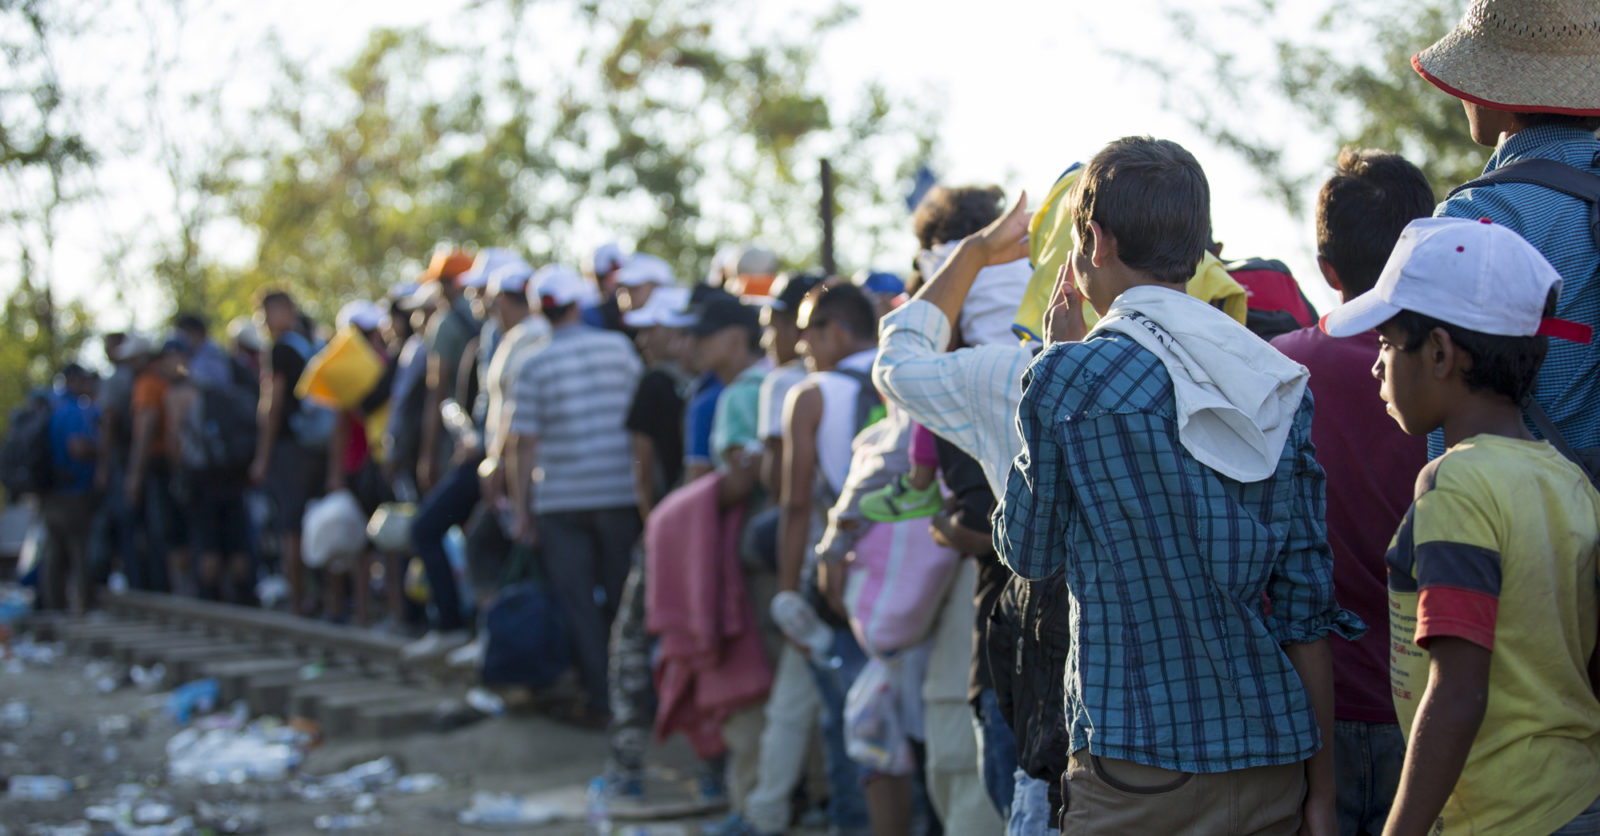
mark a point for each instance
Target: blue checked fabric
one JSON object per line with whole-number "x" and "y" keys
{"x": 1569, "y": 383}
{"x": 1176, "y": 659}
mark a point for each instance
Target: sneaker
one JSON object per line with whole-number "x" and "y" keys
{"x": 800, "y": 622}
{"x": 619, "y": 787}
{"x": 899, "y": 501}
{"x": 434, "y": 644}
{"x": 467, "y": 656}
{"x": 710, "y": 791}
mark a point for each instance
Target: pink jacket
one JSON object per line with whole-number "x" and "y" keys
{"x": 710, "y": 661}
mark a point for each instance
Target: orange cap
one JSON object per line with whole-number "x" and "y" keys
{"x": 446, "y": 264}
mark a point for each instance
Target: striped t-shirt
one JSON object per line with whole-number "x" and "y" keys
{"x": 573, "y": 394}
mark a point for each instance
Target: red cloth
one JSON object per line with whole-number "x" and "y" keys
{"x": 710, "y": 661}
{"x": 1372, "y": 470}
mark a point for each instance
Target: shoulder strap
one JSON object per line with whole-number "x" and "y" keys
{"x": 1547, "y": 428}
{"x": 1551, "y": 174}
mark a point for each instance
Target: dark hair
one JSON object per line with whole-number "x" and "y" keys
{"x": 556, "y": 313}
{"x": 188, "y": 321}
{"x": 839, "y": 300}
{"x": 1534, "y": 120}
{"x": 270, "y": 298}
{"x": 1503, "y": 365}
{"x": 1362, "y": 209}
{"x": 1151, "y": 196}
{"x": 753, "y": 337}
{"x": 949, "y": 214}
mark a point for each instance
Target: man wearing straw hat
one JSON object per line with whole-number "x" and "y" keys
{"x": 1528, "y": 74}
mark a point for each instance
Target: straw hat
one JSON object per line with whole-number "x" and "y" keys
{"x": 1524, "y": 56}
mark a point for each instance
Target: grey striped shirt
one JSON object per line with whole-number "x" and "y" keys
{"x": 573, "y": 394}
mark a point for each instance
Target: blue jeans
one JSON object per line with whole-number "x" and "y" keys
{"x": 450, "y": 503}
{"x": 997, "y": 752}
{"x": 1030, "y": 807}
{"x": 1586, "y": 824}
{"x": 847, "y": 805}
{"x": 1366, "y": 764}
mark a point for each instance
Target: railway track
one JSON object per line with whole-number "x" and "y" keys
{"x": 352, "y": 682}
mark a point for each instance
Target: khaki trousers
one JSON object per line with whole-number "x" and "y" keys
{"x": 1117, "y": 797}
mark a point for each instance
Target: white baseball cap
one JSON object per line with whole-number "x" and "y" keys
{"x": 511, "y": 278}
{"x": 644, "y": 269}
{"x": 362, "y": 314}
{"x": 557, "y": 284}
{"x": 667, "y": 306}
{"x": 488, "y": 262}
{"x": 1476, "y": 275}
{"x": 607, "y": 257}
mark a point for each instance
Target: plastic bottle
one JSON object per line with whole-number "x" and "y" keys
{"x": 37, "y": 788}
{"x": 598, "y": 812}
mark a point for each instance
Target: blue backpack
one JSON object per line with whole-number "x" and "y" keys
{"x": 527, "y": 640}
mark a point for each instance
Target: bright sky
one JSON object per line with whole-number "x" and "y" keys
{"x": 1021, "y": 90}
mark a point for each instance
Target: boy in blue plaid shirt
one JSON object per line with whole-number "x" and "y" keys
{"x": 1168, "y": 472}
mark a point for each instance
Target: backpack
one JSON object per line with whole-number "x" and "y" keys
{"x": 870, "y": 408}
{"x": 1553, "y": 175}
{"x": 1275, "y": 304}
{"x": 311, "y": 423}
{"x": 27, "y": 465}
{"x": 218, "y": 434}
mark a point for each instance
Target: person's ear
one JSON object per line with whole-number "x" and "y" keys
{"x": 1329, "y": 275}
{"x": 1102, "y": 246}
{"x": 1442, "y": 356}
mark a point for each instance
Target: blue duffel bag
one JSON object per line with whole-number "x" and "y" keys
{"x": 527, "y": 637}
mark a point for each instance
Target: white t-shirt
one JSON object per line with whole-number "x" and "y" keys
{"x": 774, "y": 392}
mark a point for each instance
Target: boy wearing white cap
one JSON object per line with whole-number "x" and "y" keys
{"x": 1493, "y": 573}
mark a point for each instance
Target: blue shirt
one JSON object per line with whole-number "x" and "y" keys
{"x": 1568, "y": 385}
{"x": 73, "y": 417}
{"x": 1177, "y": 656}
{"x": 697, "y": 424}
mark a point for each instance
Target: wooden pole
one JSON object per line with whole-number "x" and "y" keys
{"x": 829, "y": 268}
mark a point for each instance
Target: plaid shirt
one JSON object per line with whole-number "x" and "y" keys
{"x": 1176, "y": 659}
{"x": 1558, "y": 225}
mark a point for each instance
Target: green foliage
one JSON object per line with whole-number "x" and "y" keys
{"x": 1345, "y": 79}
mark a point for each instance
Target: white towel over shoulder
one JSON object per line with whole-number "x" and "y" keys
{"x": 1236, "y": 395}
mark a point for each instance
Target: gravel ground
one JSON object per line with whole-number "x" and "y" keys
{"x": 102, "y": 741}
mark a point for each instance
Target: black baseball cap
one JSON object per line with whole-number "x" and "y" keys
{"x": 789, "y": 289}
{"x": 722, "y": 311}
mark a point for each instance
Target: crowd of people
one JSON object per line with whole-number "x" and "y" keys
{"x": 1076, "y": 529}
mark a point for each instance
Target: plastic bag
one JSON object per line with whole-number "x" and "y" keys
{"x": 335, "y": 530}
{"x": 874, "y": 731}
{"x": 390, "y": 527}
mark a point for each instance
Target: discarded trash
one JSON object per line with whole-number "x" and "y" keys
{"x": 347, "y": 822}
{"x": 15, "y": 714}
{"x": 191, "y": 698}
{"x": 262, "y": 751}
{"x": 351, "y": 783}
{"x": 419, "y": 783}
{"x": 117, "y": 583}
{"x": 486, "y": 702}
{"x": 148, "y": 679}
{"x": 115, "y": 725}
{"x": 504, "y": 809}
{"x": 107, "y": 677}
{"x": 33, "y": 652}
{"x": 234, "y": 718}
{"x": 312, "y": 670}
{"x": 271, "y": 590}
{"x": 37, "y": 788}
{"x": 109, "y": 755}
{"x": 153, "y": 812}
{"x": 652, "y": 830}
{"x": 365, "y": 803}
{"x": 228, "y": 817}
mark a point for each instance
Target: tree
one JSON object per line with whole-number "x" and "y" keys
{"x": 45, "y": 160}
{"x": 1345, "y": 78}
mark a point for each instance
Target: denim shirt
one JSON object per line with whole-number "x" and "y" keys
{"x": 1568, "y": 385}
{"x": 1184, "y": 584}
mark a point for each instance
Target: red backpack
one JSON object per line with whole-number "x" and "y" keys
{"x": 1276, "y": 305}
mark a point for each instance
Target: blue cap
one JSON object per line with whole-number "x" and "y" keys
{"x": 885, "y": 284}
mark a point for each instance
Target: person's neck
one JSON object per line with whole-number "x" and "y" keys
{"x": 733, "y": 367}
{"x": 858, "y": 347}
{"x": 1484, "y": 414}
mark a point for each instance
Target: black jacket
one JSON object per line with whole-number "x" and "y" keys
{"x": 1026, "y": 649}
